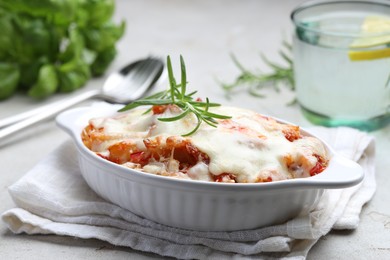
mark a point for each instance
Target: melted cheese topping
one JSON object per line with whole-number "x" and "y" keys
{"x": 246, "y": 148}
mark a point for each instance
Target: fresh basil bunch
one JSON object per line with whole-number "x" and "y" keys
{"x": 49, "y": 46}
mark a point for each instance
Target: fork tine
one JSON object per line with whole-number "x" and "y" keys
{"x": 148, "y": 74}
{"x": 137, "y": 82}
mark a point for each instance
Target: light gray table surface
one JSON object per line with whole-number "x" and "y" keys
{"x": 205, "y": 33}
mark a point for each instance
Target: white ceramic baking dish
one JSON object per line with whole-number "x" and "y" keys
{"x": 197, "y": 205}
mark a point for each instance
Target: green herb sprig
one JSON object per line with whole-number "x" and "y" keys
{"x": 50, "y": 46}
{"x": 256, "y": 81}
{"x": 177, "y": 95}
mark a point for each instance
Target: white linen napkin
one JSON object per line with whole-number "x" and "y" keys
{"x": 53, "y": 198}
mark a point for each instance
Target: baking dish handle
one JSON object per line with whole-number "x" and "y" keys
{"x": 341, "y": 172}
{"x": 74, "y": 120}
{"x": 71, "y": 122}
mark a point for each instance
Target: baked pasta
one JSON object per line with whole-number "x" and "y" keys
{"x": 247, "y": 148}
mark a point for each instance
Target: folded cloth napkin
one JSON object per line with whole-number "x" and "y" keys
{"x": 53, "y": 198}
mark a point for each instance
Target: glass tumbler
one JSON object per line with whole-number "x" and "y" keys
{"x": 341, "y": 54}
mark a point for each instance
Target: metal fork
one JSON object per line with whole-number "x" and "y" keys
{"x": 130, "y": 83}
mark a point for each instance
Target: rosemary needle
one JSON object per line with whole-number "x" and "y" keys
{"x": 177, "y": 95}
{"x": 255, "y": 81}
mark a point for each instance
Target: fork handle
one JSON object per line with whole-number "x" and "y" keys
{"x": 40, "y": 114}
{"x": 24, "y": 115}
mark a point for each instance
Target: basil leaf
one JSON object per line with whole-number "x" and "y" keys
{"x": 100, "y": 39}
{"x": 74, "y": 36}
{"x": 46, "y": 84}
{"x": 99, "y": 11}
{"x": 103, "y": 60}
{"x": 73, "y": 75}
{"x": 9, "y": 75}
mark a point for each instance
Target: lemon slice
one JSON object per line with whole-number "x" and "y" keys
{"x": 369, "y": 55}
{"x": 372, "y": 25}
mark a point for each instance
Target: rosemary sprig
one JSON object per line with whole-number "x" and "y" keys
{"x": 177, "y": 95}
{"x": 256, "y": 81}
